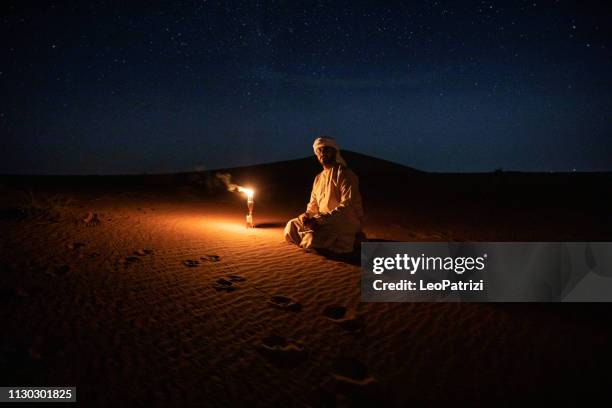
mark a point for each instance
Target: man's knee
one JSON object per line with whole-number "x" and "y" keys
{"x": 292, "y": 231}
{"x": 288, "y": 229}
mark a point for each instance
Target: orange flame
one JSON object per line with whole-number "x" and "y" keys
{"x": 249, "y": 192}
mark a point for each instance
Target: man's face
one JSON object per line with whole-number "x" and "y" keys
{"x": 326, "y": 155}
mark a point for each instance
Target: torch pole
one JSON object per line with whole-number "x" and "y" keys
{"x": 249, "y": 217}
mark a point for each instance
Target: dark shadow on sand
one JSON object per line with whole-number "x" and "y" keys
{"x": 352, "y": 258}
{"x": 278, "y": 224}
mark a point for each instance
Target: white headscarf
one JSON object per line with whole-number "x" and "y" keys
{"x": 329, "y": 141}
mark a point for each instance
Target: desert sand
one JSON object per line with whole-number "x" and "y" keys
{"x": 150, "y": 291}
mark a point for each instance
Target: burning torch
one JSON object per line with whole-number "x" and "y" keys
{"x": 249, "y": 193}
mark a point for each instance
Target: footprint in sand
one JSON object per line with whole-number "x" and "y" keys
{"x": 91, "y": 219}
{"x": 348, "y": 321}
{"x": 285, "y": 303}
{"x": 190, "y": 263}
{"x": 75, "y": 246}
{"x": 130, "y": 260}
{"x": 226, "y": 284}
{"x": 282, "y": 352}
{"x": 143, "y": 252}
{"x": 211, "y": 258}
{"x": 93, "y": 255}
{"x": 352, "y": 379}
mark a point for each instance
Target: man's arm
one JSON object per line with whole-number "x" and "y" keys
{"x": 349, "y": 192}
{"x": 312, "y": 208}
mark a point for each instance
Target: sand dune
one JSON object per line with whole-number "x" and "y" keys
{"x": 169, "y": 300}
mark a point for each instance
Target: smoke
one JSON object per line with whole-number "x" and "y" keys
{"x": 226, "y": 180}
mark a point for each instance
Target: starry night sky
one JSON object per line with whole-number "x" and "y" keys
{"x": 440, "y": 86}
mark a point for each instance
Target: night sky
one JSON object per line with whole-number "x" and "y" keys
{"x": 440, "y": 86}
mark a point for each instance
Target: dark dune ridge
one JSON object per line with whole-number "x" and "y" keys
{"x": 502, "y": 205}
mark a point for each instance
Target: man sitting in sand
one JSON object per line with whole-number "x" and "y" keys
{"x": 334, "y": 214}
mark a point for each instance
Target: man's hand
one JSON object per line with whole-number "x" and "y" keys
{"x": 309, "y": 221}
{"x": 312, "y": 223}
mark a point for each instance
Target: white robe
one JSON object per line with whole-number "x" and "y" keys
{"x": 336, "y": 202}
